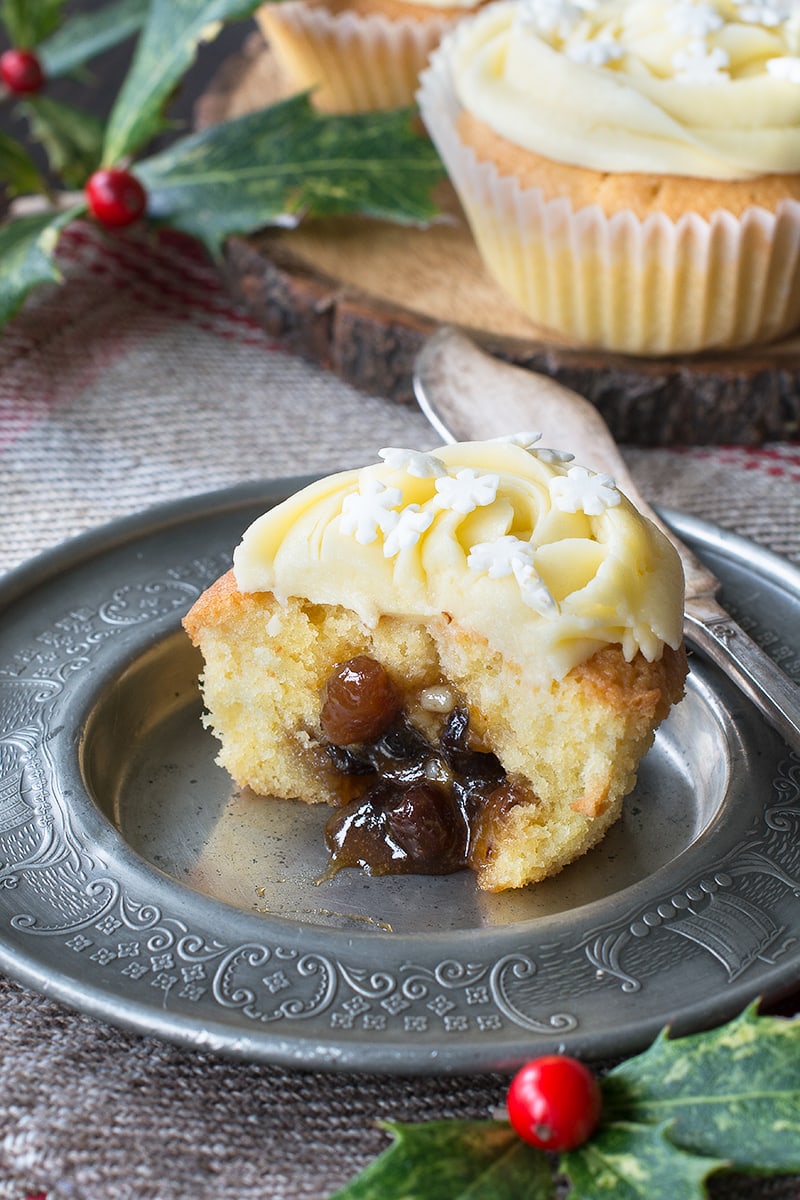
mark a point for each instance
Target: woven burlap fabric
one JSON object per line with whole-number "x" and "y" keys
{"x": 89, "y": 1113}
{"x": 139, "y": 381}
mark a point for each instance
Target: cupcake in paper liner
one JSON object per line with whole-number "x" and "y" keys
{"x": 630, "y": 170}
{"x": 357, "y": 55}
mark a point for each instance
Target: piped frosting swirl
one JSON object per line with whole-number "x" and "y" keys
{"x": 708, "y": 88}
{"x": 544, "y": 559}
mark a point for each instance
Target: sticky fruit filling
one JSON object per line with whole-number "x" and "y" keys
{"x": 411, "y": 803}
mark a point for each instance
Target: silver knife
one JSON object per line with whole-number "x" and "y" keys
{"x": 466, "y": 394}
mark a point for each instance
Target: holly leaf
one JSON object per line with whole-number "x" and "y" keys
{"x": 17, "y": 170}
{"x": 27, "y": 256}
{"x": 28, "y": 22}
{"x": 85, "y": 35}
{"x": 165, "y": 51}
{"x": 286, "y": 161}
{"x": 71, "y": 139}
{"x": 623, "y": 1161}
{"x": 462, "y": 1160}
{"x": 731, "y": 1093}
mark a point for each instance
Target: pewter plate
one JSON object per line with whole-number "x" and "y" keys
{"x": 139, "y": 886}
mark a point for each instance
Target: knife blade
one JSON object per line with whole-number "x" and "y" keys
{"x": 467, "y": 394}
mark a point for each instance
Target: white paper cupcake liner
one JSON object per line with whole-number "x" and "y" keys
{"x": 354, "y": 63}
{"x": 649, "y": 286}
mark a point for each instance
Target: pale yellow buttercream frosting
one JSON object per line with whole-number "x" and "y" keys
{"x": 709, "y": 89}
{"x": 545, "y": 560}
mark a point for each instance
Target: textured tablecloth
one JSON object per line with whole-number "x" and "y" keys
{"x": 140, "y": 381}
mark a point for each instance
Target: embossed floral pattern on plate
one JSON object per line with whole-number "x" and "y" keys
{"x": 84, "y": 914}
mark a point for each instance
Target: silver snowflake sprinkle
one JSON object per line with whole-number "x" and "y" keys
{"x": 370, "y": 509}
{"x": 413, "y": 462}
{"x": 584, "y": 491}
{"x": 411, "y": 524}
{"x": 467, "y": 490}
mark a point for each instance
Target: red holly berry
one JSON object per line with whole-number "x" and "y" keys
{"x": 115, "y": 197}
{"x": 21, "y": 72}
{"x": 554, "y": 1103}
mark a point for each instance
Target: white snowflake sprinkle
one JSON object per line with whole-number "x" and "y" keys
{"x": 694, "y": 20}
{"x": 547, "y": 455}
{"x": 786, "y": 68}
{"x": 498, "y": 558}
{"x": 467, "y": 490}
{"x": 413, "y": 462}
{"x": 597, "y": 52}
{"x": 535, "y": 593}
{"x": 530, "y": 441}
{"x": 510, "y": 555}
{"x": 699, "y": 64}
{"x": 527, "y": 439}
{"x": 370, "y": 509}
{"x": 412, "y": 523}
{"x": 765, "y": 12}
{"x": 585, "y": 491}
{"x": 557, "y": 17}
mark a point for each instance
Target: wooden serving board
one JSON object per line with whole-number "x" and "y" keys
{"x": 359, "y": 297}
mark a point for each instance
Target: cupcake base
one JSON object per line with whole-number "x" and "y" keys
{"x": 354, "y": 62}
{"x": 656, "y": 285}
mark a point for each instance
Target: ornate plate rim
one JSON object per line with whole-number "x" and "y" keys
{"x": 338, "y": 1021}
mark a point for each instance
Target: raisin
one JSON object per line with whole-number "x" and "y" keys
{"x": 428, "y": 809}
{"x": 396, "y": 831}
{"x": 401, "y": 771}
{"x": 476, "y": 770}
{"x": 361, "y": 702}
{"x": 428, "y": 825}
{"x": 348, "y": 763}
{"x": 402, "y": 740}
{"x": 488, "y": 820}
{"x": 453, "y": 739}
{"x": 356, "y": 833}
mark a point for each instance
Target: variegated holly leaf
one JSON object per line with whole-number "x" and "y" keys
{"x": 287, "y": 161}
{"x": 462, "y": 1160}
{"x": 18, "y": 171}
{"x": 166, "y": 49}
{"x": 28, "y": 22}
{"x": 71, "y": 139}
{"x": 635, "y": 1162}
{"x": 731, "y": 1093}
{"x": 686, "y": 1108}
{"x": 85, "y": 35}
{"x": 27, "y": 256}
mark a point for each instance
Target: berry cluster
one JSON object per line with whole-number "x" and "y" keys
{"x": 115, "y": 196}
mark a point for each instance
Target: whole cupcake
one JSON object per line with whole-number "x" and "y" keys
{"x": 357, "y": 55}
{"x": 465, "y": 653}
{"x": 630, "y": 170}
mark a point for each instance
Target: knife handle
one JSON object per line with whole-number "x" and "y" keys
{"x": 777, "y": 697}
